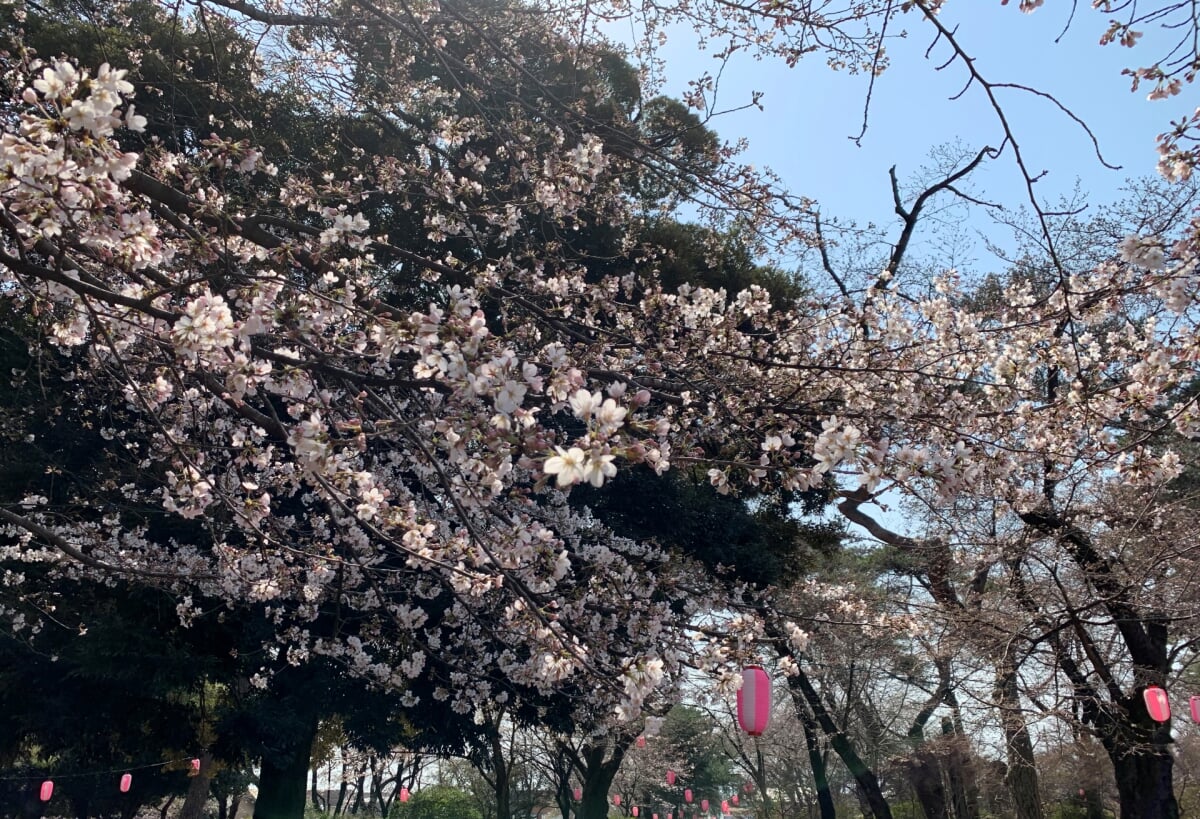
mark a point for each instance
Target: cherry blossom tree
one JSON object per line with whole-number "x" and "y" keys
{"x": 368, "y": 389}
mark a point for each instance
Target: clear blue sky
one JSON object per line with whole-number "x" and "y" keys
{"x": 810, "y": 110}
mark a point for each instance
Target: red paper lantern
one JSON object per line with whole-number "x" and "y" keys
{"x": 687, "y": 795}
{"x": 634, "y": 811}
{"x": 1194, "y": 705}
{"x": 670, "y": 816}
{"x": 734, "y": 799}
{"x": 617, "y": 799}
{"x": 654, "y": 816}
{"x": 671, "y": 774}
{"x": 126, "y": 781}
{"x": 195, "y": 769}
{"x": 578, "y": 794}
{"x": 47, "y": 790}
{"x": 641, "y": 742}
{"x": 404, "y": 794}
{"x": 725, "y": 807}
{"x": 1157, "y": 703}
{"x": 754, "y": 700}
{"x": 704, "y": 805}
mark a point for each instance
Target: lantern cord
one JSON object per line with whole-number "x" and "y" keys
{"x": 127, "y": 769}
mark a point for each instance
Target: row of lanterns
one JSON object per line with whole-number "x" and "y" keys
{"x": 754, "y": 710}
{"x": 46, "y": 792}
{"x": 688, "y": 797}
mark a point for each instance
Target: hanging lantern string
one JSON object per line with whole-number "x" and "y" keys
{"x": 126, "y": 769}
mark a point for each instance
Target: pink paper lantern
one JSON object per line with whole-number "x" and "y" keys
{"x": 1082, "y": 792}
{"x": 634, "y": 811}
{"x": 654, "y": 816}
{"x": 704, "y": 805}
{"x": 126, "y": 782}
{"x": 754, "y": 700}
{"x": 725, "y": 807}
{"x": 748, "y": 787}
{"x": 578, "y": 794}
{"x": 1194, "y": 706}
{"x": 671, "y": 774}
{"x": 734, "y": 799}
{"x": 687, "y": 795}
{"x": 670, "y": 816}
{"x": 195, "y": 769}
{"x": 1157, "y": 703}
{"x": 47, "y": 790}
{"x": 617, "y": 799}
{"x": 641, "y": 742}
{"x": 404, "y": 795}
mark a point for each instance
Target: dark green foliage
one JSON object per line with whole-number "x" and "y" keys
{"x": 758, "y": 542}
{"x": 437, "y": 802}
{"x": 695, "y": 255}
{"x": 98, "y": 695}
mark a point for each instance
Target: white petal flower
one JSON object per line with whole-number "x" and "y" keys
{"x": 567, "y": 465}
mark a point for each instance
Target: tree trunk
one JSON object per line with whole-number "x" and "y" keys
{"x": 864, "y": 777}
{"x": 598, "y": 774}
{"x": 130, "y": 808}
{"x": 501, "y": 776}
{"x": 804, "y": 693}
{"x": 1021, "y": 778}
{"x": 964, "y": 783}
{"x": 197, "y": 793}
{"x": 1144, "y": 779}
{"x": 924, "y": 767}
{"x": 594, "y": 804}
{"x": 817, "y": 761}
{"x": 234, "y": 804}
{"x": 282, "y": 780}
{"x": 925, "y": 777}
{"x": 958, "y": 773}
{"x": 341, "y": 800}
{"x": 314, "y": 794}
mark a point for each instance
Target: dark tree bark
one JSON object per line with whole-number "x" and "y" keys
{"x": 817, "y": 761}
{"x": 343, "y": 788}
{"x": 1144, "y": 773}
{"x": 964, "y": 774}
{"x": 924, "y": 768}
{"x": 283, "y": 780}
{"x": 561, "y": 768}
{"x": 597, "y": 770}
{"x": 1021, "y": 777}
{"x": 501, "y": 784}
{"x": 1137, "y": 746}
{"x": 198, "y": 788}
{"x": 313, "y": 794}
{"x": 960, "y": 773}
{"x": 864, "y": 777}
